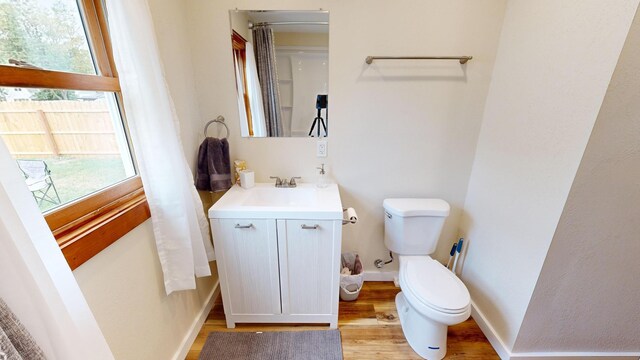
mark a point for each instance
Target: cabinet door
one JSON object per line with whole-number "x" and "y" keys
{"x": 250, "y": 262}
{"x": 308, "y": 266}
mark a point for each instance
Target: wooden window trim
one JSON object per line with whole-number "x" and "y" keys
{"x": 87, "y": 226}
{"x": 238, "y": 41}
{"x": 38, "y": 78}
{"x": 96, "y": 21}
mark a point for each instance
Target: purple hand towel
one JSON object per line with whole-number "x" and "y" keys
{"x": 214, "y": 166}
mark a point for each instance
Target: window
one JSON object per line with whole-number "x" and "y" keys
{"x": 61, "y": 117}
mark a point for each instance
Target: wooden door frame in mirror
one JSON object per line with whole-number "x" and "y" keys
{"x": 240, "y": 52}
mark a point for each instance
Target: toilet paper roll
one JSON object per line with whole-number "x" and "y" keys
{"x": 352, "y": 215}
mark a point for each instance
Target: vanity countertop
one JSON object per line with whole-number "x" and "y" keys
{"x": 265, "y": 201}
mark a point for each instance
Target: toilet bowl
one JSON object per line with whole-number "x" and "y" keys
{"x": 432, "y": 297}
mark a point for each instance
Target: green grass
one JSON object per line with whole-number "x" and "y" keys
{"x": 75, "y": 177}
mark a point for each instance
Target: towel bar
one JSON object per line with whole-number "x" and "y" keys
{"x": 463, "y": 59}
{"x": 219, "y": 120}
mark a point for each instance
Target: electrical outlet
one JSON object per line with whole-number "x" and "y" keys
{"x": 321, "y": 150}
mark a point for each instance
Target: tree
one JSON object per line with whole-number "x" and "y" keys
{"x": 53, "y": 94}
{"x": 12, "y": 43}
{"x": 50, "y": 37}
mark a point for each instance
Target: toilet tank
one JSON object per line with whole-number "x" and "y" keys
{"x": 413, "y": 226}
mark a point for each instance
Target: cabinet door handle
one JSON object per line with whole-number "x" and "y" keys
{"x": 238, "y": 226}
{"x": 310, "y": 227}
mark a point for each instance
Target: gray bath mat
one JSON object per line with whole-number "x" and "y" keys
{"x": 281, "y": 345}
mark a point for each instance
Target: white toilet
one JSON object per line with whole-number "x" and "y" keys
{"x": 432, "y": 297}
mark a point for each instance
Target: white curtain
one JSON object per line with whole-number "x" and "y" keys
{"x": 35, "y": 279}
{"x": 255, "y": 94}
{"x": 179, "y": 224}
{"x": 242, "y": 109}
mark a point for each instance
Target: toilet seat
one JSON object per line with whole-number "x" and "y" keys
{"x": 431, "y": 285}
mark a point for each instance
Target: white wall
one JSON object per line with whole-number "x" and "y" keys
{"x": 589, "y": 280}
{"x": 123, "y": 284}
{"x": 124, "y": 287}
{"x": 554, "y": 62}
{"x": 395, "y": 128}
{"x": 170, "y": 21}
{"x": 301, "y": 39}
{"x": 239, "y": 21}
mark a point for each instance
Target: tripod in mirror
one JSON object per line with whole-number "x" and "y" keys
{"x": 319, "y": 122}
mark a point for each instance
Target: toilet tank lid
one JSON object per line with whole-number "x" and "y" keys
{"x": 408, "y": 207}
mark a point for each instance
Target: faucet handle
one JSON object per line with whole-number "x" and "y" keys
{"x": 278, "y": 180}
{"x": 292, "y": 183}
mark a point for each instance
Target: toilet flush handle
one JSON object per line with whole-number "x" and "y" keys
{"x": 388, "y": 215}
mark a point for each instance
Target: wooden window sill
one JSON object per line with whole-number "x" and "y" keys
{"x": 85, "y": 228}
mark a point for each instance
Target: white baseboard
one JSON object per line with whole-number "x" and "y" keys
{"x": 575, "y": 356}
{"x": 373, "y": 275}
{"x": 498, "y": 345}
{"x": 505, "y": 354}
{"x": 188, "y": 340}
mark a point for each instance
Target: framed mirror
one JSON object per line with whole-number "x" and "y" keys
{"x": 281, "y": 63}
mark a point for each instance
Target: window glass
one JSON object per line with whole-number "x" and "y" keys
{"x": 67, "y": 143}
{"x": 46, "y": 34}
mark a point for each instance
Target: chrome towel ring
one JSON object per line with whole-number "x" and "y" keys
{"x": 219, "y": 120}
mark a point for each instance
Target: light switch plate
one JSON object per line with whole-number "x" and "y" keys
{"x": 321, "y": 150}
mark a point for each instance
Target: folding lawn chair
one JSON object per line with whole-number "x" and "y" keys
{"x": 38, "y": 178}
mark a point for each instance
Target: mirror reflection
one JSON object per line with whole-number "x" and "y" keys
{"x": 281, "y": 61}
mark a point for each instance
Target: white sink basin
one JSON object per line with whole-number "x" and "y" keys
{"x": 272, "y": 196}
{"x": 265, "y": 201}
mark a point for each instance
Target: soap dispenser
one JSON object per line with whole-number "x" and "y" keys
{"x": 323, "y": 180}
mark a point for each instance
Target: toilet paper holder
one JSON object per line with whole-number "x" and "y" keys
{"x": 350, "y": 219}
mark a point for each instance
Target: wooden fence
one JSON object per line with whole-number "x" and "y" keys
{"x": 41, "y": 128}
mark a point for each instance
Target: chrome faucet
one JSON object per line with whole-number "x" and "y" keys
{"x": 292, "y": 182}
{"x": 278, "y": 180}
{"x": 283, "y": 183}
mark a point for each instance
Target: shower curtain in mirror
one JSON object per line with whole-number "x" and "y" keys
{"x": 268, "y": 76}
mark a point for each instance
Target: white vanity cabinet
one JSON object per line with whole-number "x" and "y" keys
{"x": 278, "y": 253}
{"x": 309, "y": 266}
{"x": 248, "y": 251}
{"x": 278, "y": 270}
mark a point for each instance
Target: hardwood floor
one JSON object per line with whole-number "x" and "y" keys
{"x": 370, "y": 329}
